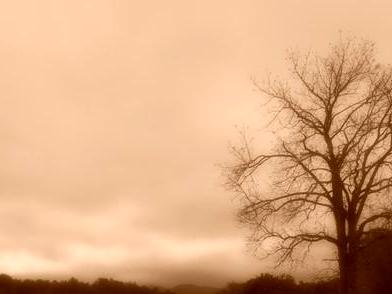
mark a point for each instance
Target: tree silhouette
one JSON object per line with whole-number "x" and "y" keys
{"x": 332, "y": 161}
{"x": 284, "y": 284}
{"x": 8, "y": 285}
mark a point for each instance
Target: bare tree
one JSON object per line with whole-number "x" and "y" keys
{"x": 333, "y": 160}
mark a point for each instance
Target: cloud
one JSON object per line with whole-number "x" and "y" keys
{"x": 113, "y": 118}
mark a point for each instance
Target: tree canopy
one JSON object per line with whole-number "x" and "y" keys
{"x": 332, "y": 161}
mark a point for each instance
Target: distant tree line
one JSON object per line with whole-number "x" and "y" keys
{"x": 9, "y": 285}
{"x": 284, "y": 284}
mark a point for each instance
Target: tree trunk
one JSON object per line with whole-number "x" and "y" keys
{"x": 346, "y": 236}
{"x": 348, "y": 269}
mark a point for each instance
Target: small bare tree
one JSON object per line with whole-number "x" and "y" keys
{"x": 333, "y": 160}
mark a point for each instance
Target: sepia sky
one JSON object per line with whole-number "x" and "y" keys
{"x": 114, "y": 117}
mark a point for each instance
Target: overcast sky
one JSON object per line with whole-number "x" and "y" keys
{"x": 114, "y": 117}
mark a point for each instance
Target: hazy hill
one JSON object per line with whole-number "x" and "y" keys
{"x": 193, "y": 289}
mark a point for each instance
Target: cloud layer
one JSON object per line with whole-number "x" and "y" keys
{"x": 114, "y": 117}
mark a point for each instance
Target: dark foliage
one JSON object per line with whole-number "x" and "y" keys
{"x": 8, "y": 285}
{"x": 268, "y": 284}
{"x": 375, "y": 264}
